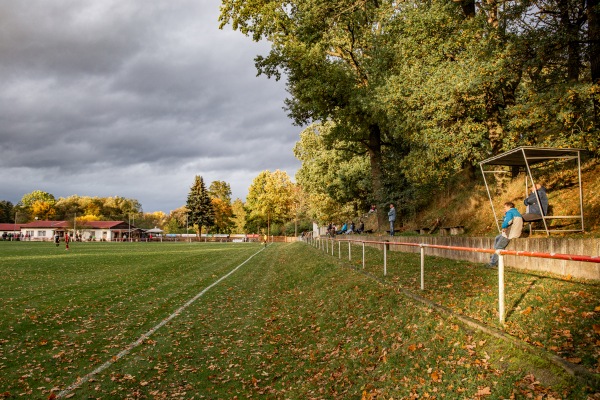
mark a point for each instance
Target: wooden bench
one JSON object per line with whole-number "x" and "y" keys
{"x": 452, "y": 230}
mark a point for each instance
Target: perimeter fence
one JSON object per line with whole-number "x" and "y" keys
{"x": 328, "y": 245}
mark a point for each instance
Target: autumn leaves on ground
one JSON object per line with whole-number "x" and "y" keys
{"x": 292, "y": 322}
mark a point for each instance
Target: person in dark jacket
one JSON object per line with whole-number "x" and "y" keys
{"x": 392, "y": 218}
{"x": 534, "y": 211}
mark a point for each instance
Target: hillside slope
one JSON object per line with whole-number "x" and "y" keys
{"x": 465, "y": 202}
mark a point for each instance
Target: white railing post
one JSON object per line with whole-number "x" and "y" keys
{"x": 385, "y": 259}
{"x": 349, "y": 251}
{"x": 363, "y": 255}
{"x": 340, "y": 249}
{"x": 500, "y": 286}
{"x": 422, "y": 267}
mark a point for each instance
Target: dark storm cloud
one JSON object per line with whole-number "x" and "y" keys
{"x": 133, "y": 98}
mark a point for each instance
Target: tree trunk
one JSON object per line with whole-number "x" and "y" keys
{"x": 593, "y": 17}
{"x": 374, "y": 148}
{"x": 468, "y": 7}
{"x": 573, "y": 48}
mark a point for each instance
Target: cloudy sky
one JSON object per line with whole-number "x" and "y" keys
{"x": 133, "y": 98}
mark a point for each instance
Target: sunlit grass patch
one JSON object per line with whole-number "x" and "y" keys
{"x": 291, "y": 323}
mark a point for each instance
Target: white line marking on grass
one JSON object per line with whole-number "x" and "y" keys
{"x": 131, "y": 346}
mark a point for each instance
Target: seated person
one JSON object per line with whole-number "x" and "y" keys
{"x": 361, "y": 227}
{"x": 331, "y": 229}
{"x": 344, "y": 229}
{"x": 512, "y": 225}
{"x": 351, "y": 228}
{"x": 534, "y": 212}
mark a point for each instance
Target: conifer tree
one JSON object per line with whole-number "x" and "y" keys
{"x": 200, "y": 210}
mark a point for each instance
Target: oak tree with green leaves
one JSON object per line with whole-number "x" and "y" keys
{"x": 335, "y": 180}
{"x": 426, "y": 89}
{"x": 334, "y": 57}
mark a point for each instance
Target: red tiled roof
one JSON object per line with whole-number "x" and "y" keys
{"x": 46, "y": 224}
{"x": 68, "y": 224}
{"x": 5, "y": 227}
{"x": 100, "y": 224}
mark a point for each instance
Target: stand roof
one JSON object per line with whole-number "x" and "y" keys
{"x": 529, "y": 155}
{"x": 526, "y": 156}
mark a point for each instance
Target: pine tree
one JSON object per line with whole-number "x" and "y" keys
{"x": 200, "y": 210}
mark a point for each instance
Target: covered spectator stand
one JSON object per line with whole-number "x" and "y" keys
{"x": 524, "y": 159}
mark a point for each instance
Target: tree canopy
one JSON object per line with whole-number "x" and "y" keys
{"x": 424, "y": 89}
{"x": 199, "y": 206}
{"x": 270, "y": 199}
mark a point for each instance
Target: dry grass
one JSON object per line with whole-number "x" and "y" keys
{"x": 466, "y": 203}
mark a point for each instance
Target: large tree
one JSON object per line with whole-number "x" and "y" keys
{"x": 239, "y": 216}
{"x": 6, "y": 211}
{"x": 220, "y": 193}
{"x": 270, "y": 198}
{"x": 38, "y": 204}
{"x": 200, "y": 211}
{"x": 334, "y": 57}
{"x": 427, "y": 88}
{"x": 334, "y": 176}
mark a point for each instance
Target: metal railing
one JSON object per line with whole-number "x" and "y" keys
{"x": 324, "y": 244}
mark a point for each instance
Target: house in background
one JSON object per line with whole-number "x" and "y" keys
{"x": 108, "y": 231}
{"x": 43, "y": 230}
{"x": 9, "y": 230}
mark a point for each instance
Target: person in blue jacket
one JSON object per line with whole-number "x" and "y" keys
{"x": 512, "y": 225}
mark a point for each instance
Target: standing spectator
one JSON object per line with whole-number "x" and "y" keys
{"x": 534, "y": 212}
{"x": 392, "y": 218}
{"x": 512, "y": 225}
{"x": 56, "y": 239}
{"x": 67, "y": 241}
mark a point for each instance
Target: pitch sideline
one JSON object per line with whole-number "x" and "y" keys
{"x": 133, "y": 345}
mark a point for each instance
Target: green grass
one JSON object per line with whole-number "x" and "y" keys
{"x": 291, "y": 323}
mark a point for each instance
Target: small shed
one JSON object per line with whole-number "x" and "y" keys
{"x": 526, "y": 157}
{"x": 154, "y": 231}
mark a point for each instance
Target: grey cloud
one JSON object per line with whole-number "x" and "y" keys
{"x": 133, "y": 98}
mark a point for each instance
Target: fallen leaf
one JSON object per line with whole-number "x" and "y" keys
{"x": 486, "y": 391}
{"x": 526, "y": 311}
{"x": 596, "y": 328}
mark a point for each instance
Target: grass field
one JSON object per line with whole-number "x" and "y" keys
{"x": 290, "y": 323}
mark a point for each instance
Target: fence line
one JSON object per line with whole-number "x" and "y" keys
{"x": 316, "y": 242}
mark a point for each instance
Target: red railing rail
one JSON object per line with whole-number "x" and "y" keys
{"x": 318, "y": 242}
